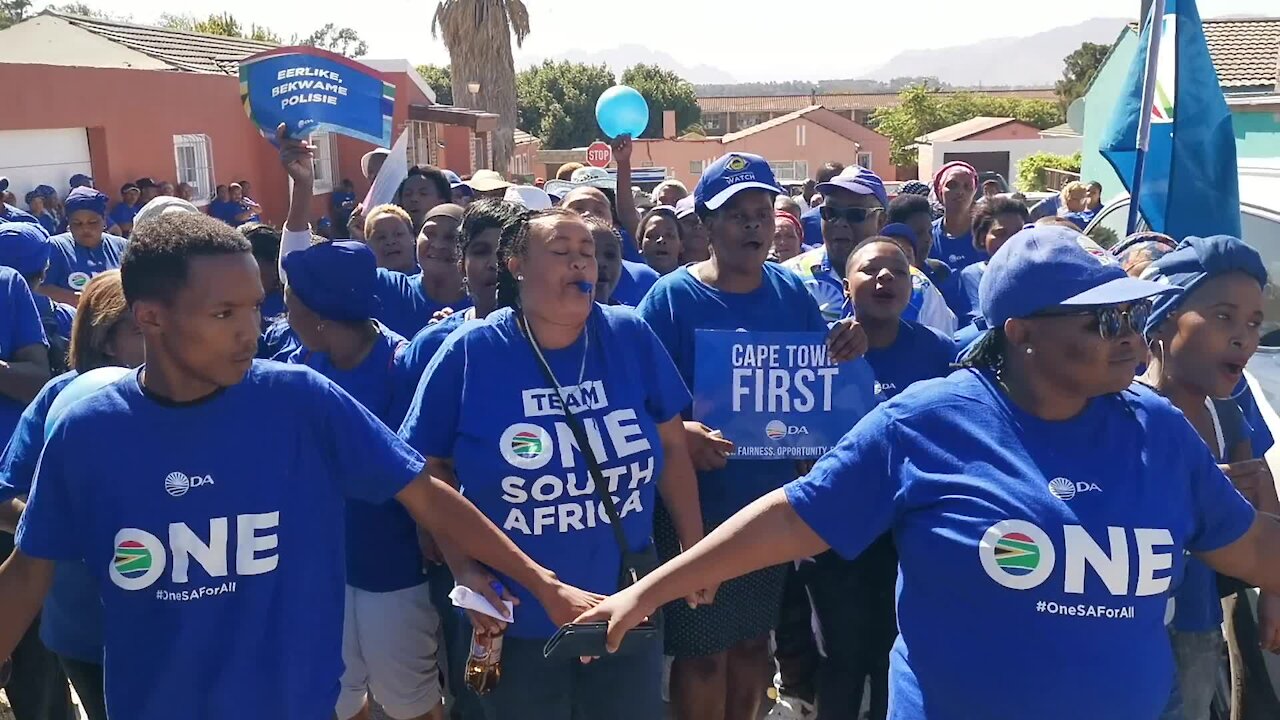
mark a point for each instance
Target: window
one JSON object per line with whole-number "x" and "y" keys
{"x": 711, "y": 123}
{"x": 802, "y": 136}
{"x": 193, "y": 158}
{"x": 746, "y": 120}
{"x": 323, "y": 163}
{"x": 695, "y": 167}
{"x": 864, "y": 159}
{"x": 790, "y": 169}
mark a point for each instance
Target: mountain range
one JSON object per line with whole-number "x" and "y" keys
{"x": 624, "y": 56}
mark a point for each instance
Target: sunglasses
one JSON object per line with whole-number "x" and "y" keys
{"x": 1113, "y": 320}
{"x": 853, "y": 216}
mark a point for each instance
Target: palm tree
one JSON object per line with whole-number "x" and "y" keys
{"x": 477, "y": 34}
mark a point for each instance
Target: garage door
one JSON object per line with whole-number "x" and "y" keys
{"x": 43, "y": 157}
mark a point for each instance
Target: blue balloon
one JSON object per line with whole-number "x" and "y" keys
{"x": 622, "y": 110}
{"x": 83, "y": 386}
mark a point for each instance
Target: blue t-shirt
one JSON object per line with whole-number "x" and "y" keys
{"x": 918, "y": 353}
{"x": 958, "y": 252}
{"x": 634, "y": 283}
{"x": 122, "y": 214}
{"x": 1260, "y": 434}
{"x": 278, "y": 341}
{"x": 63, "y": 313}
{"x": 630, "y": 248}
{"x": 71, "y": 620}
{"x": 273, "y": 308}
{"x": 412, "y": 364}
{"x": 406, "y": 309}
{"x": 213, "y": 529}
{"x": 9, "y": 213}
{"x": 225, "y": 210}
{"x": 72, "y": 266}
{"x": 20, "y": 327}
{"x": 681, "y": 304}
{"x": 966, "y": 307}
{"x": 485, "y": 386}
{"x": 811, "y": 220}
{"x": 1052, "y": 543}
{"x": 382, "y": 540}
{"x": 48, "y": 222}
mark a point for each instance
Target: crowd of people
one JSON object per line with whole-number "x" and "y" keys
{"x": 267, "y": 516}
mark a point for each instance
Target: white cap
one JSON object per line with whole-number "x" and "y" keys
{"x": 163, "y": 205}
{"x": 367, "y": 158}
{"x": 533, "y": 198}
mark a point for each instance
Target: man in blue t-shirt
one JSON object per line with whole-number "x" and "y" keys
{"x": 121, "y": 217}
{"x": 213, "y": 518}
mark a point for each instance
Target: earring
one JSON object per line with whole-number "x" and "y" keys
{"x": 520, "y": 278}
{"x": 1030, "y": 351}
{"x": 320, "y": 327}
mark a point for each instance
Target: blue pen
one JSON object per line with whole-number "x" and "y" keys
{"x": 584, "y": 286}
{"x": 497, "y": 587}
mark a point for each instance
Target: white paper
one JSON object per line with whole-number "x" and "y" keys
{"x": 465, "y": 597}
{"x": 394, "y": 170}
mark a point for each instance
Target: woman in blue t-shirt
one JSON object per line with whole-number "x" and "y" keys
{"x": 390, "y": 627}
{"x": 1039, "y": 500}
{"x": 85, "y": 250}
{"x": 1200, "y": 342}
{"x": 548, "y": 366}
{"x": 720, "y": 649}
{"x": 994, "y": 222}
{"x": 661, "y": 240}
{"x": 104, "y": 334}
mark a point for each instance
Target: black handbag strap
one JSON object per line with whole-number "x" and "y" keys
{"x": 580, "y": 436}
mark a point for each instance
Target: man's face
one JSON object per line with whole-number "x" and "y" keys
{"x": 131, "y": 196}
{"x": 209, "y": 329}
{"x": 237, "y": 194}
{"x": 589, "y": 202}
{"x": 841, "y": 228}
{"x": 742, "y": 230}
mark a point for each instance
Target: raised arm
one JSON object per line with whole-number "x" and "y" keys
{"x": 627, "y": 212}
{"x": 296, "y": 156}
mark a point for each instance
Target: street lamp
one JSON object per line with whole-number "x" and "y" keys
{"x": 474, "y": 89}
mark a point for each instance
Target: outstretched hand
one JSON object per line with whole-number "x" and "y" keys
{"x": 296, "y": 156}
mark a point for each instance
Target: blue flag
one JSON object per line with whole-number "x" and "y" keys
{"x": 1190, "y": 183}
{"x": 777, "y": 396}
{"x": 312, "y": 90}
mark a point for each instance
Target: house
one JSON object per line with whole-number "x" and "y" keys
{"x": 795, "y": 144}
{"x": 1246, "y": 55}
{"x": 989, "y": 144}
{"x": 524, "y": 159}
{"x": 119, "y": 101}
{"x": 722, "y": 115}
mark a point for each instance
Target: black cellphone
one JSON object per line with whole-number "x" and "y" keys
{"x": 588, "y": 640}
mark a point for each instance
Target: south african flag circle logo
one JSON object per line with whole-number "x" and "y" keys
{"x": 1016, "y": 554}
{"x": 138, "y": 561}
{"x": 526, "y": 446}
{"x": 132, "y": 559}
{"x": 775, "y": 430}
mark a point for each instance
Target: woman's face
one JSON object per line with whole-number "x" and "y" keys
{"x": 878, "y": 282}
{"x": 1076, "y": 201}
{"x": 671, "y": 195}
{"x": 589, "y": 202}
{"x": 36, "y": 205}
{"x": 86, "y": 227}
{"x": 418, "y": 195}
{"x": 305, "y": 322}
{"x": 1002, "y": 228}
{"x": 608, "y": 264}
{"x": 1069, "y": 353}
{"x": 561, "y": 254}
{"x": 437, "y": 243}
{"x": 660, "y": 244}
{"x": 697, "y": 243}
{"x": 742, "y": 231}
{"x": 480, "y": 268}
{"x": 957, "y": 194}
{"x": 131, "y": 196}
{"x": 786, "y": 244}
{"x": 124, "y": 342}
{"x": 392, "y": 243}
{"x": 1215, "y": 332}
{"x": 236, "y": 193}
{"x": 166, "y": 188}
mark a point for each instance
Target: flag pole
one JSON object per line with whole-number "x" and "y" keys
{"x": 1144, "y": 119}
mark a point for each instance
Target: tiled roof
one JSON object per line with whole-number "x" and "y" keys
{"x": 840, "y": 102}
{"x": 1063, "y": 130}
{"x": 185, "y": 51}
{"x": 523, "y": 137}
{"x": 1245, "y": 51}
{"x": 835, "y": 123}
{"x": 968, "y": 128}
{"x": 768, "y": 124}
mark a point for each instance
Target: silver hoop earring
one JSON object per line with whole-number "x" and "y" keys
{"x": 1030, "y": 351}
{"x": 520, "y": 278}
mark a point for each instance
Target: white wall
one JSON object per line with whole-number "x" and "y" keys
{"x": 925, "y": 164}
{"x": 1017, "y": 149}
{"x": 43, "y": 157}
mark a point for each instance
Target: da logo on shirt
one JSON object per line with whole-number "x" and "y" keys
{"x": 526, "y": 446}
{"x": 77, "y": 280}
{"x": 1064, "y": 489}
{"x": 178, "y": 484}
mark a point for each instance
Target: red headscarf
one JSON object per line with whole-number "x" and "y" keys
{"x": 947, "y": 171}
{"x": 794, "y": 223}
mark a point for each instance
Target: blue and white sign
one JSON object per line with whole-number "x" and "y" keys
{"x": 778, "y": 396}
{"x": 312, "y": 90}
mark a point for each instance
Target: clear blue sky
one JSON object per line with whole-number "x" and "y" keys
{"x": 748, "y": 38}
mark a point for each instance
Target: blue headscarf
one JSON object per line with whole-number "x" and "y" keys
{"x": 335, "y": 279}
{"x": 1195, "y": 261}
{"x": 24, "y": 247}
{"x": 86, "y": 198}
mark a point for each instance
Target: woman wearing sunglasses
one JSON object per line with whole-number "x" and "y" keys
{"x": 1041, "y": 504}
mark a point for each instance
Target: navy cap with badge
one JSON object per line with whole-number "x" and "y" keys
{"x": 1050, "y": 266}
{"x": 732, "y": 174}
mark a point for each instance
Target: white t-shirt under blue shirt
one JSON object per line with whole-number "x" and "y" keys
{"x": 1030, "y": 548}
{"x": 215, "y": 532}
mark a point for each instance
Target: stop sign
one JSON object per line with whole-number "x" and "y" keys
{"x": 599, "y": 154}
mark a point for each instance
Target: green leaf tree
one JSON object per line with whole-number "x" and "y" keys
{"x": 343, "y": 41}
{"x": 224, "y": 24}
{"x": 440, "y": 80}
{"x": 1079, "y": 69}
{"x": 557, "y": 101}
{"x": 663, "y": 90}
{"x": 13, "y": 12}
{"x": 1031, "y": 169}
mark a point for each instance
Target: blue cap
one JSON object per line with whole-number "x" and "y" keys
{"x": 1195, "y": 261}
{"x": 901, "y": 230}
{"x": 86, "y": 198}
{"x": 1049, "y": 266}
{"x": 337, "y": 280}
{"x": 25, "y": 247}
{"x": 453, "y": 178}
{"x": 81, "y": 180}
{"x": 859, "y": 180}
{"x": 732, "y": 174}
{"x": 684, "y": 206}
{"x": 46, "y": 191}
